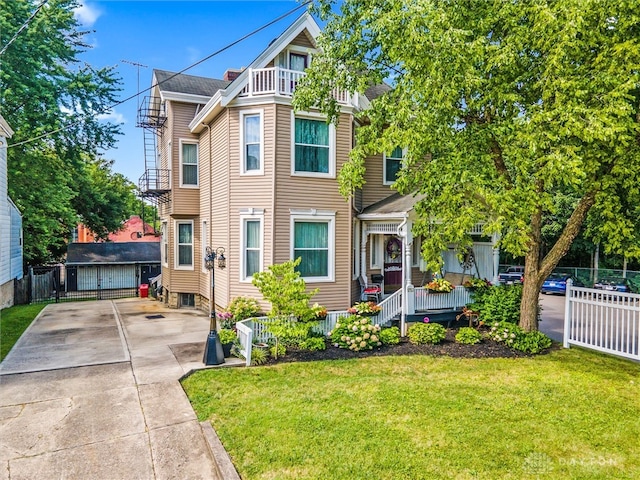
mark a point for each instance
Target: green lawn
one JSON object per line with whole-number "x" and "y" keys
{"x": 568, "y": 414}
{"x": 13, "y": 322}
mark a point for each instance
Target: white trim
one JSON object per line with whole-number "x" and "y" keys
{"x": 187, "y": 141}
{"x": 243, "y": 160}
{"x": 332, "y": 146}
{"x": 316, "y": 216}
{"x": 164, "y": 243}
{"x": 176, "y": 232}
{"x": 247, "y": 215}
{"x": 355, "y": 248}
{"x": 375, "y": 248}
{"x": 184, "y": 97}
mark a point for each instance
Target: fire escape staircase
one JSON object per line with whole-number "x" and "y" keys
{"x": 154, "y": 185}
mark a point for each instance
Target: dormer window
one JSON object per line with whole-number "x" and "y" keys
{"x": 297, "y": 61}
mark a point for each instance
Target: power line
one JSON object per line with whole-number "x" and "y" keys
{"x": 24, "y": 25}
{"x": 217, "y": 52}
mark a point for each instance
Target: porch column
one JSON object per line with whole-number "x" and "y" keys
{"x": 496, "y": 258}
{"x": 363, "y": 250}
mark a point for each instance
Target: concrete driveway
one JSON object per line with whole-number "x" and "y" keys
{"x": 552, "y": 316}
{"x": 91, "y": 391}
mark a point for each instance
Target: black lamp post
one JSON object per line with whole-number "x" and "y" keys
{"x": 213, "y": 354}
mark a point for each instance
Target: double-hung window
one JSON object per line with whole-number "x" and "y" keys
{"x": 184, "y": 244}
{"x": 165, "y": 244}
{"x": 313, "y": 147}
{"x": 188, "y": 164}
{"x": 313, "y": 241}
{"x": 251, "y": 241}
{"x": 251, "y": 136}
{"x": 392, "y": 165}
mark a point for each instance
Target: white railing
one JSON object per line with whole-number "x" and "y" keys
{"x": 426, "y": 300}
{"x": 391, "y": 306}
{"x": 279, "y": 81}
{"x": 245, "y": 336}
{"x": 602, "y": 320}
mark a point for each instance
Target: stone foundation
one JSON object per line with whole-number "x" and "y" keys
{"x": 6, "y": 295}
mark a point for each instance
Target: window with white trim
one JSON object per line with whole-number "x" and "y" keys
{"x": 374, "y": 251}
{"x": 313, "y": 149}
{"x": 251, "y": 128}
{"x": 188, "y": 164}
{"x": 251, "y": 256}
{"x": 165, "y": 244}
{"x": 392, "y": 165}
{"x": 313, "y": 240}
{"x": 184, "y": 244}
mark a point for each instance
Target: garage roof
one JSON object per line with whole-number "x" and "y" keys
{"x": 113, "y": 253}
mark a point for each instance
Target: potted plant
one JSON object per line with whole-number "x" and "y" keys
{"x": 475, "y": 282}
{"x": 226, "y": 320}
{"x": 440, "y": 285}
{"x": 366, "y": 309}
{"x": 319, "y": 311}
{"x": 227, "y": 339}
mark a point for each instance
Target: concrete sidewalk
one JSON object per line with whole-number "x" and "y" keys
{"x": 91, "y": 391}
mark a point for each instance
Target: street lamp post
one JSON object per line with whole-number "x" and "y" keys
{"x": 213, "y": 353}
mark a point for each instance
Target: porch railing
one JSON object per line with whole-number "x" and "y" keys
{"x": 426, "y": 300}
{"x": 391, "y": 307}
{"x": 279, "y": 81}
{"x": 245, "y": 336}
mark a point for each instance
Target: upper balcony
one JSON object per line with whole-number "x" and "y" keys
{"x": 279, "y": 81}
{"x": 155, "y": 183}
{"x": 151, "y": 113}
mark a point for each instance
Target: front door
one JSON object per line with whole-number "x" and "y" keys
{"x": 392, "y": 264}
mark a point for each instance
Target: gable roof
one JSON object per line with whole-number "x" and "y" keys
{"x": 395, "y": 205}
{"x": 191, "y": 84}
{"x": 113, "y": 253}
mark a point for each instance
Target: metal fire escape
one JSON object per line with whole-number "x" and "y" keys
{"x": 154, "y": 185}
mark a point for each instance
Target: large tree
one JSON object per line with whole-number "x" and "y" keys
{"x": 501, "y": 106}
{"x": 54, "y": 104}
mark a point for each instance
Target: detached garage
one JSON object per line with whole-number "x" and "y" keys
{"x": 111, "y": 267}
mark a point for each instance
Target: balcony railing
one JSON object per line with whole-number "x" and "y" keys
{"x": 151, "y": 113}
{"x": 279, "y": 81}
{"x": 155, "y": 182}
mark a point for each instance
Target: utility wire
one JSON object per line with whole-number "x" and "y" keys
{"x": 24, "y": 25}
{"x": 217, "y": 52}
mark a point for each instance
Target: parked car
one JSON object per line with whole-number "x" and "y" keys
{"x": 616, "y": 284}
{"x": 512, "y": 275}
{"x": 557, "y": 283}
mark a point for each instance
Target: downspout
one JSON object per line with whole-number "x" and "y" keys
{"x": 228, "y": 274}
{"x": 212, "y": 302}
{"x": 273, "y": 185}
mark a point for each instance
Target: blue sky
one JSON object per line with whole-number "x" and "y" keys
{"x": 171, "y": 35}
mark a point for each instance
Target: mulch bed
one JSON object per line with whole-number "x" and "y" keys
{"x": 448, "y": 347}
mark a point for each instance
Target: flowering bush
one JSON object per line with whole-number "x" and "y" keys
{"x": 365, "y": 308}
{"x": 226, "y": 320}
{"x": 319, "y": 311}
{"x": 475, "y": 282}
{"x": 440, "y": 285}
{"x": 355, "y": 333}
{"x": 505, "y": 332}
{"x": 423, "y": 333}
{"x": 244, "y": 307}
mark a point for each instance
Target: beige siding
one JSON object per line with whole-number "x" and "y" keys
{"x": 303, "y": 40}
{"x": 296, "y": 192}
{"x": 374, "y": 190}
{"x": 185, "y": 201}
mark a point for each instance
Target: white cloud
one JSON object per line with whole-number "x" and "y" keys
{"x": 87, "y": 14}
{"x": 112, "y": 116}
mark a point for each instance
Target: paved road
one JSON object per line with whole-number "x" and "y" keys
{"x": 552, "y": 316}
{"x": 91, "y": 391}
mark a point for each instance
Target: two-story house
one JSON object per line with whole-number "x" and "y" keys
{"x": 233, "y": 167}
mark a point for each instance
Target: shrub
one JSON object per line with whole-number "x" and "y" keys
{"x": 499, "y": 303}
{"x": 227, "y": 335}
{"x": 259, "y": 355}
{"x": 423, "y": 333}
{"x": 278, "y": 350}
{"x": 390, "y": 336}
{"x": 532, "y": 342}
{"x": 243, "y": 307}
{"x": 505, "y": 332}
{"x": 355, "y": 333}
{"x": 468, "y": 336}
{"x": 314, "y": 344}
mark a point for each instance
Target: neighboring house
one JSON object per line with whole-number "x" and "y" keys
{"x": 231, "y": 165}
{"x": 110, "y": 265}
{"x": 133, "y": 230}
{"x": 10, "y": 228}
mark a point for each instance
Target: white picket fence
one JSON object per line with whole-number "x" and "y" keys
{"x": 606, "y": 321}
{"x": 456, "y": 298}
